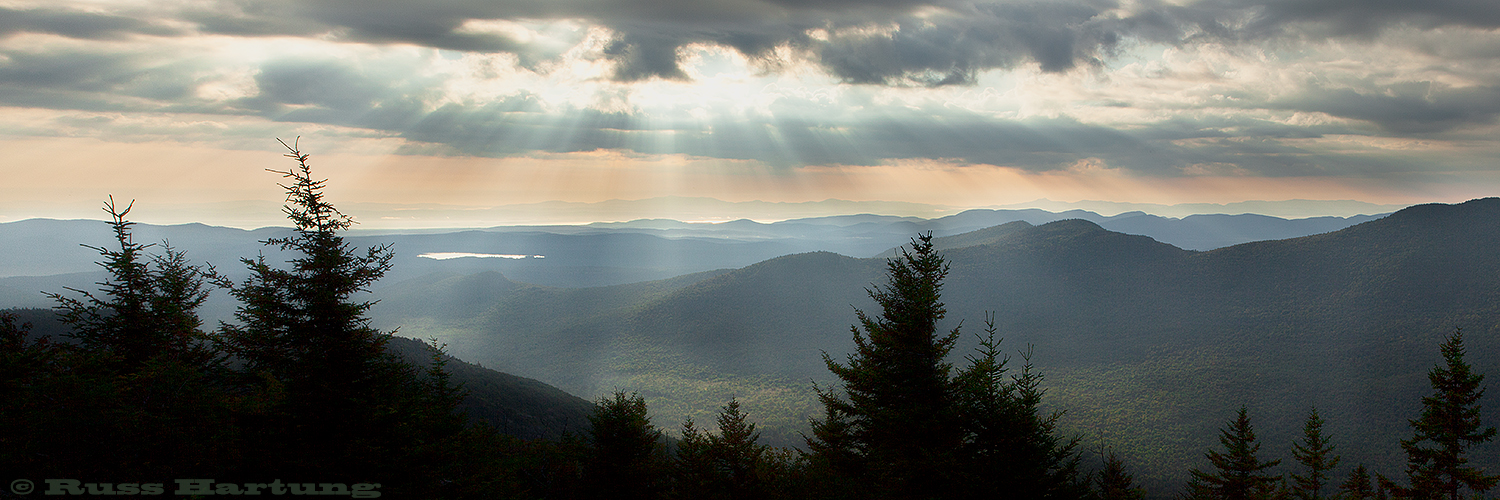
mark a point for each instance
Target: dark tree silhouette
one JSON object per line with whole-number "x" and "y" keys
{"x": 1011, "y": 447}
{"x": 1114, "y": 482}
{"x": 1450, "y": 424}
{"x": 729, "y": 465}
{"x": 1315, "y": 453}
{"x": 1237, "y": 473}
{"x": 906, "y": 425}
{"x": 335, "y": 404}
{"x": 1359, "y": 485}
{"x": 629, "y": 453}
{"x": 893, "y": 431}
{"x": 148, "y": 306}
{"x": 139, "y": 394}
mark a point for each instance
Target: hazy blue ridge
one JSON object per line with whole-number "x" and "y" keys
{"x": 1148, "y": 346}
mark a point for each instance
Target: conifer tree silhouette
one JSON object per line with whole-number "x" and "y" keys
{"x": 1437, "y": 465}
{"x": 1315, "y": 453}
{"x": 1237, "y": 473}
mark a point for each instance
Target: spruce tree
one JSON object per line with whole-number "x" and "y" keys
{"x": 1315, "y": 453}
{"x": 1450, "y": 424}
{"x": 332, "y": 404}
{"x": 629, "y": 455}
{"x": 143, "y": 381}
{"x": 694, "y": 471}
{"x": 729, "y": 465}
{"x": 1011, "y": 447}
{"x": 740, "y": 458}
{"x": 1237, "y": 473}
{"x": 1114, "y": 482}
{"x": 1358, "y": 486}
{"x": 894, "y": 430}
{"x": 147, "y": 308}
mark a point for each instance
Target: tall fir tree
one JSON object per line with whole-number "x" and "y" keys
{"x": 628, "y": 458}
{"x": 337, "y": 405}
{"x": 1437, "y": 465}
{"x": 143, "y": 381}
{"x": 1237, "y": 473}
{"x": 1114, "y": 482}
{"x": 729, "y": 465}
{"x": 147, "y": 308}
{"x": 1011, "y": 447}
{"x": 1315, "y": 453}
{"x": 893, "y": 431}
{"x": 695, "y": 475}
{"x": 1359, "y": 485}
{"x": 739, "y": 456}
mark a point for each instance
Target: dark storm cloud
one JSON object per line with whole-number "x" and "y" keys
{"x": 98, "y": 80}
{"x": 1405, "y": 108}
{"x": 1366, "y": 18}
{"x": 929, "y": 48}
{"x": 938, "y": 42}
{"x": 879, "y": 42}
{"x": 73, "y": 24}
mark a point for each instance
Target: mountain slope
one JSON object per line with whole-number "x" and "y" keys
{"x": 1148, "y": 346}
{"x": 517, "y": 406}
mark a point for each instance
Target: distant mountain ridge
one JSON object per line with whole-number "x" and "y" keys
{"x": 614, "y": 253}
{"x": 1148, "y": 346}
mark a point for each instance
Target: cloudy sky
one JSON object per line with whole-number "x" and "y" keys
{"x": 453, "y": 105}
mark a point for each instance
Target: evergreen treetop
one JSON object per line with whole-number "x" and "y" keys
{"x": 147, "y": 308}
{"x": 1449, "y": 424}
{"x": 298, "y": 322}
{"x": 629, "y": 453}
{"x": 1358, "y": 485}
{"x": 1315, "y": 453}
{"x": 896, "y": 426}
{"x": 1238, "y": 474}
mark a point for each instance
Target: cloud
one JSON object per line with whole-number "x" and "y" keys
{"x": 76, "y": 24}
{"x": 90, "y": 79}
{"x": 1364, "y": 18}
{"x": 1253, "y": 90}
{"x": 885, "y": 42}
{"x": 1404, "y": 107}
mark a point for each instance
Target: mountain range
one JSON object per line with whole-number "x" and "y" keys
{"x": 1149, "y": 341}
{"x": 1150, "y": 348}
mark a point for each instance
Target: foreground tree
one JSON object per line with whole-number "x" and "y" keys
{"x": 1114, "y": 482}
{"x": 333, "y": 403}
{"x": 629, "y": 454}
{"x": 729, "y": 465}
{"x": 1359, "y": 485}
{"x": 147, "y": 308}
{"x": 892, "y": 432}
{"x": 1315, "y": 453}
{"x": 1237, "y": 473}
{"x": 1011, "y": 446}
{"x": 1449, "y": 425}
{"x": 140, "y": 393}
{"x": 908, "y": 426}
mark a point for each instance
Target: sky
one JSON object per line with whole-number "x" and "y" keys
{"x": 470, "y": 112}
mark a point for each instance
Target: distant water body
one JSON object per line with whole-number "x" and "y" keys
{"x": 458, "y": 255}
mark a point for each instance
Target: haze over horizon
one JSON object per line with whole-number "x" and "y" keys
{"x": 696, "y": 210}
{"x": 468, "y": 113}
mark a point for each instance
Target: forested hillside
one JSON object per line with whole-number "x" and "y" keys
{"x": 1147, "y": 346}
{"x": 1132, "y": 348}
